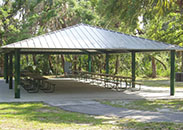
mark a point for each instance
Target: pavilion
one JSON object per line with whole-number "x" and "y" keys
{"x": 82, "y": 39}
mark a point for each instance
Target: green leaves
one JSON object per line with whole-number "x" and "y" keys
{"x": 120, "y": 12}
{"x": 3, "y": 13}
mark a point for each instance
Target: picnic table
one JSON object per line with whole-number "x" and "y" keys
{"x": 33, "y": 82}
{"x": 119, "y": 83}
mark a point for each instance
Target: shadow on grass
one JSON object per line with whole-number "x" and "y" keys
{"x": 43, "y": 113}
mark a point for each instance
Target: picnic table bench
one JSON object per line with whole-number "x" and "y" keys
{"x": 119, "y": 83}
{"x": 33, "y": 82}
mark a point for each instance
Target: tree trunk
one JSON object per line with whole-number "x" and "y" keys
{"x": 63, "y": 62}
{"x": 34, "y": 59}
{"x": 75, "y": 63}
{"x": 153, "y": 68}
{"x": 27, "y": 59}
{"x": 50, "y": 63}
{"x": 57, "y": 65}
{"x": 180, "y": 4}
{"x": 117, "y": 64}
{"x": 79, "y": 68}
{"x": 100, "y": 64}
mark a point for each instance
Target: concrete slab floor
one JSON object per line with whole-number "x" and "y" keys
{"x": 67, "y": 89}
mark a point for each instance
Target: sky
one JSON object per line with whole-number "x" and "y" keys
{"x": 1, "y": 2}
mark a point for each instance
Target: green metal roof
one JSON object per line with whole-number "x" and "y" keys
{"x": 82, "y": 38}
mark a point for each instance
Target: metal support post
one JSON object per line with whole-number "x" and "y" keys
{"x": 172, "y": 73}
{"x": 17, "y": 73}
{"x": 133, "y": 69}
{"x": 11, "y": 71}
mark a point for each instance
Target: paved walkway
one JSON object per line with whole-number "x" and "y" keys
{"x": 95, "y": 108}
{"x": 79, "y": 97}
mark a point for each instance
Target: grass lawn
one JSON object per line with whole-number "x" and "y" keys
{"x": 158, "y": 82}
{"x": 38, "y": 116}
{"x": 174, "y": 105}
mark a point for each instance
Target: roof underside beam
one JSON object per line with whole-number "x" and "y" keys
{"x": 75, "y": 51}
{"x": 52, "y": 52}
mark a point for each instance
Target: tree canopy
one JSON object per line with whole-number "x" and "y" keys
{"x": 159, "y": 20}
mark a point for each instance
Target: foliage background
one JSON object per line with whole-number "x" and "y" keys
{"x": 159, "y": 20}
